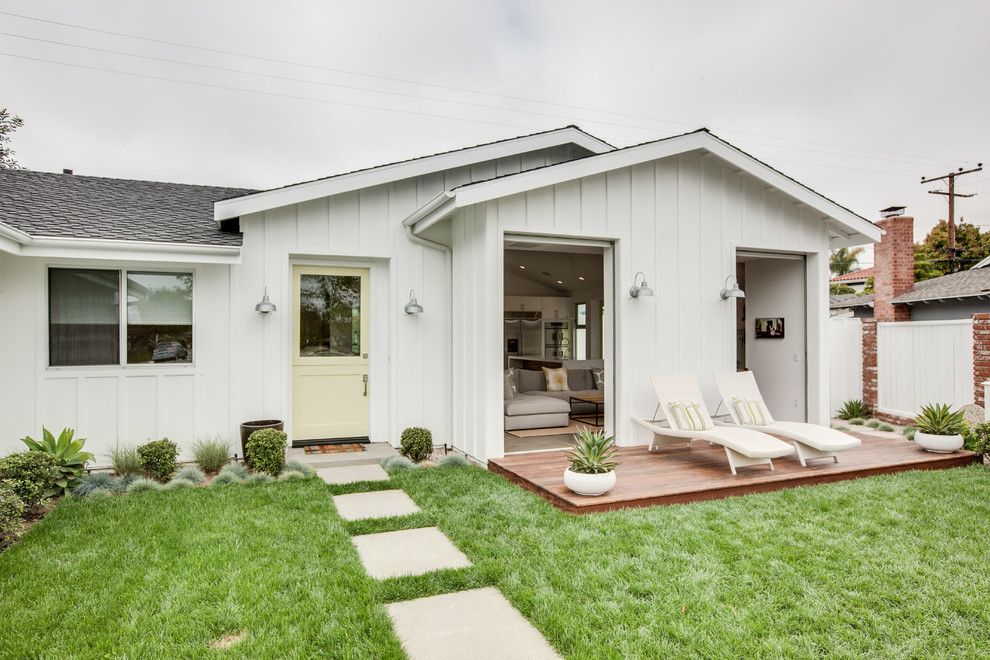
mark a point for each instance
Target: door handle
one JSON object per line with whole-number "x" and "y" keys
{"x": 365, "y": 379}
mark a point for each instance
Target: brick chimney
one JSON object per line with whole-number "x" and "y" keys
{"x": 893, "y": 268}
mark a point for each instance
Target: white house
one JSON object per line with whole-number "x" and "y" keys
{"x": 130, "y": 308}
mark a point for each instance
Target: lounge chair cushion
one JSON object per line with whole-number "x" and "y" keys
{"x": 821, "y": 438}
{"x": 748, "y": 442}
{"x": 751, "y": 412}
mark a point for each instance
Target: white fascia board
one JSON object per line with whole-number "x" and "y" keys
{"x": 12, "y": 239}
{"x": 83, "y": 248}
{"x": 430, "y": 213}
{"x": 861, "y": 230}
{"x": 335, "y": 185}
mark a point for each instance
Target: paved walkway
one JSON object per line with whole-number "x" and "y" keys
{"x": 475, "y": 623}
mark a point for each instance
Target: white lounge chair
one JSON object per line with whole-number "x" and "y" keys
{"x": 688, "y": 420}
{"x": 741, "y": 395}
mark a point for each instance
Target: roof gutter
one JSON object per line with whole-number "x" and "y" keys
{"x": 90, "y": 248}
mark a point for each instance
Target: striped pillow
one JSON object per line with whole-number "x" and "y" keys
{"x": 688, "y": 416}
{"x": 751, "y": 412}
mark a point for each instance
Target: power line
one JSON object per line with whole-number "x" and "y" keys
{"x": 457, "y": 89}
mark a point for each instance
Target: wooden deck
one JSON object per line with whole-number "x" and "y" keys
{"x": 678, "y": 476}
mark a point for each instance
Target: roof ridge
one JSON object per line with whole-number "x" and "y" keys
{"x": 6, "y": 172}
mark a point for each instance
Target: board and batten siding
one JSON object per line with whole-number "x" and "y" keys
{"x": 110, "y": 405}
{"x": 409, "y": 356}
{"x": 680, "y": 220}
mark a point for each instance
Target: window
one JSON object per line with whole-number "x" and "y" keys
{"x": 581, "y": 332}
{"x": 329, "y": 315}
{"x": 85, "y": 317}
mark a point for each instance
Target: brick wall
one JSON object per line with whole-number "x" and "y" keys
{"x": 870, "y": 363}
{"x": 893, "y": 272}
{"x": 981, "y": 355}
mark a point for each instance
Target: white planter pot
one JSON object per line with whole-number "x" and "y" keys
{"x": 939, "y": 444}
{"x": 589, "y": 484}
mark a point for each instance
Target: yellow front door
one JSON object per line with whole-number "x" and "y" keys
{"x": 330, "y": 353}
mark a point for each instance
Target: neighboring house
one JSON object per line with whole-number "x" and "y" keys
{"x": 955, "y": 296}
{"x": 135, "y": 310}
{"x": 855, "y": 279}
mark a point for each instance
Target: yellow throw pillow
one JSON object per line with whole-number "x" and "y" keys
{"x": 556, "y": 379}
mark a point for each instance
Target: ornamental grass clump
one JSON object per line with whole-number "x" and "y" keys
{"x": 853, "y": 409}
{"x": 190, "y": 473}
{"x": 259, "y": 478}
{"x": 397, "y": 464}
{"x": 31, "y": 475}
{"x": 939, "y": 419}
{"x": 873, "y": 423}
{"x": 211, "y": 453}
{"x": 158, "y": 458}
{"x": 266, "y": 451}
{"x": 298, "y": 466}
{"x": 292, "y": 475}
{"x": 96, "y": 482}
{"x": 225, "y": 478}
{"x": 453, "y": 460}
{"x": 67, "y": 452}
{"x": 236, "y": 470}
{"x": 125, "y": 459}
{"x": 416, "y": 444}
{"x": 143, "y": 485}
{"x": 178, "y": 484}
{"x": 857, "y": 421}
{"x": 593, "y": 453}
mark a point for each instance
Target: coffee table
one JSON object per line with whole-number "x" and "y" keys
{"x": 596, "y": 398}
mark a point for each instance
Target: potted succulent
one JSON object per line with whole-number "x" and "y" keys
{"x": 592, "y": 469}
{"x": 940, "y": 428}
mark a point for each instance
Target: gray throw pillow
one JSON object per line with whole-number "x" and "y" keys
{"x": 599, "y": 376}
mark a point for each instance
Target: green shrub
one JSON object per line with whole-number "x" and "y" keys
{"x": 211, "y": 454}
{"x": 857, "y": 421}
{"x": 11, "y": 510}
{"x": 292, "y": 475}
{"x": 192, "y": 474}
{"x": 397, "y": 464}
{"x": 416, "y": 444}
{"x": 873, "y": 423}
{"x": 939, "y": 419}
{"x": 453, "y": 460}
{"x": 143, "y": 485}
{"x": 126, "y": 460}
{"x": 978, "y": 438}
{"x": 592, "y": 453}
{"x": 31, "y": 475}
{"x": 298, "y": 466}
{"x": 67, "y": 451}
{"x": 852, "y": 409}
{"x": 266, "y": 451}
{"x": 177, "y": 484}
{"x": 95, "y": 482}
{"x": 235, "y": 469}
{"x": 158, "y": 458}
{"x": 885, "y": 427}
{"x": 258, "y": 477}
{"x": 226, "y": 478}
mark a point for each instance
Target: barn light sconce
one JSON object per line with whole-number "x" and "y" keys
{"x": 413, "y": 306}
{"x": 266, "y": 306}
{"x": 734, "y": 291}
{"x": 641, "y": 289}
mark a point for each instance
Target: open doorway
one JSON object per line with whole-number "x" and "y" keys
{"x": 554, "y": 343}
{"x": 771, "y": 330}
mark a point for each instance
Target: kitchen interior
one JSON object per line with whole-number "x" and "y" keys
{"x": 554, "y": 304}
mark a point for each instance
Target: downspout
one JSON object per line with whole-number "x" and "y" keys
{"x": 408, "y": 225}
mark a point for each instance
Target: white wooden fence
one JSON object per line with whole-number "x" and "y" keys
{"x": 924, "y": 362}
{"x": 845, "y": 361}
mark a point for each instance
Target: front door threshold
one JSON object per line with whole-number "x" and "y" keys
{"x": 362, "y": 440}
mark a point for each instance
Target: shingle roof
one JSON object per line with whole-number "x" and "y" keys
{"x": 844, "y": 300}
{"x": 42, "y": 204}
{"x": 855, "y": 275}
{"x": 964, "y": 284}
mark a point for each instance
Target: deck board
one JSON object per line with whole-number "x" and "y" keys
{"x": 679, "y": 476}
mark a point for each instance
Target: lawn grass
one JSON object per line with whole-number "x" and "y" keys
{"x": 887, "y": 566}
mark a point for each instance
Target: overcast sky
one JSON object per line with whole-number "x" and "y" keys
{"x": 856, "y": 99}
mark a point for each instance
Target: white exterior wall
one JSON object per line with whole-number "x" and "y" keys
{"x": 845, "y": 357}
{"x": 680, "y": 220}
{"x": 110, "y": 404}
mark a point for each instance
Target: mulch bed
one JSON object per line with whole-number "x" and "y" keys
{"x": 333, "y": 449}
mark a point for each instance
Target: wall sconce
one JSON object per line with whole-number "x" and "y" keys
{"x": 734, "y": 291}
{"x": 635, "y": 291}
{"x": 413, "y": 306}
{"x": 266, "y": 306}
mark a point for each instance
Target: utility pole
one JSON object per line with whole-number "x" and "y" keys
{"x": 951, "y": 193}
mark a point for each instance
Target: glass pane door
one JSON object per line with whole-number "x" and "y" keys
{"x": 329, "y": 315}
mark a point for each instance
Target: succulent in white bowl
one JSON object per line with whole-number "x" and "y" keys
{"x": 592, "y": 458}
{"x": 940, "y": 428}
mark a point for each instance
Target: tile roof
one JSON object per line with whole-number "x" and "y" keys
{"x": 964, "y": 284}
{"x": 43, "y": 204}
{"x": 855, "y": 275}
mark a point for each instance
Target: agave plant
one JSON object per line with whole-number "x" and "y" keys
{"x": 593, "y": 453}
{"x": 69, "y": 457}
{"x": 852, "y": 409}
{"x": 939, "y": 419}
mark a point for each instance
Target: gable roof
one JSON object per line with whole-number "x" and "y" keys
{"x": 844, "y": 300}
{"x": 848, "y": 229}
{"x": 43, "y": 205}
{"x": 964, "y": 284}
{"x": 854, "y": 276}
{"x": 379, "y": 174}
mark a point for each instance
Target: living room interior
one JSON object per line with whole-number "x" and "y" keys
{"x": 553, "y": 344}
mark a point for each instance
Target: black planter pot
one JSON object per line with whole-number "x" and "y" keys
{"x": 247, "y": 428}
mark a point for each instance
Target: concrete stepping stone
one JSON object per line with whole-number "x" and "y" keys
{"x": 375, "y": 504}
{"x": 352, "y": 474}
{"x": 448, "y": 626}
{"x": 407, "y": 552}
